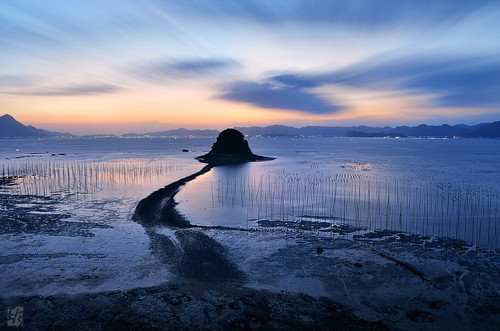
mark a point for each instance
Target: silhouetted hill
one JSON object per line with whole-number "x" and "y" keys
{"x": 270, "y": 131}
{"x": 180, "y": 133}
{"x": 333, "y": 131}
{"x": 231, "y": 147}
{"x": 444, "y": 130}
{"x": 131, "y": 135}
{"x": 423, "y": 130}
{"x": 100, "y": 136}
{"x": 491, "y": 130}
{"x": 308, "y": 131}
{"x": 10, "y": 128}
{"x": 374, "y": 135}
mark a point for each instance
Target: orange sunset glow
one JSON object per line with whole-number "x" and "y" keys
{"x": 119, "y": 66}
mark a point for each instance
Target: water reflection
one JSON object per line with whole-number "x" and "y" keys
{"x": 89, "y": 178}
{"x": 425, "y": 193}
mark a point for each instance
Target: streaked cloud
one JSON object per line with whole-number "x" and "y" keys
{"x": 353, "y": 60}
{"x": 174, "y": 68}
{"x": 15, "y": 80}
{"x": 266, "y": 95}
{"x": 460, "y": 81}
{"x": 376, "y": 14}
{"x": 69, "y": 90}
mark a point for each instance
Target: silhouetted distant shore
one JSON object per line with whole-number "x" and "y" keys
{"x": 10, "y": 128}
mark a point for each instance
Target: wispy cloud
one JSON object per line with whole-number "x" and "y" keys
{"x": 454, "y": 81}
{"x": 15, "y": 80}
{"x": 267, "y": 95}
{"x": 171, "y": 68}
{"x": 376, "y": 14}
{"x": 69, "y": 90}
{"x": 458, "y": 81}
{"x": 85, "y": 48}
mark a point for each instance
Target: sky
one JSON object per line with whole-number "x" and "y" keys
{"x": 120, "y": 66}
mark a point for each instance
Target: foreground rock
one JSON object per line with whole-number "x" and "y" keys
{"x": 231, "y": 148}
{"x": 188, "y": 306}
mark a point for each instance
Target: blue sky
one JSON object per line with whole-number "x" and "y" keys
{"x": 117, "y": 66}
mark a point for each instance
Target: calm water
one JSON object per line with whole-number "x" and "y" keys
{"x": 433, "y": 187}
{"x": 98, "y": 168}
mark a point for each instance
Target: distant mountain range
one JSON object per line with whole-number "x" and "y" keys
{"x": 10, "y": 128}
{"x": 177, "y": 133}
{"x": 484, "y": 130}
{"x": 491, "y": 130}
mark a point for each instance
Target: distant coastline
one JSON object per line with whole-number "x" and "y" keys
{"x": 11, "y": 128}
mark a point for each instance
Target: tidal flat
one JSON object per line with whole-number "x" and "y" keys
{"x": 335, "y": 233}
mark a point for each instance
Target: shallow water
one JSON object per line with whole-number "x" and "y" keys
{"x": 71, "y": 228}
{"x": 97, "y": 168}
{"x": 432, "y": 187}
{"x": 66, "y": 213}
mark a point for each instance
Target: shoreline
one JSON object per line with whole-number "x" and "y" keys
{"x": 193, "y": 306}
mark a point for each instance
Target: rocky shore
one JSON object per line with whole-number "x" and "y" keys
{"x": 189, "y": 306}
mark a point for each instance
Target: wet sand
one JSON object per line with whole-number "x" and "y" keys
{"x": 209, "y": 290}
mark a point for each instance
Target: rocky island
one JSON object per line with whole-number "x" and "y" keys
{"x": 159, "y": 207}
{"x": 230, "y": 148}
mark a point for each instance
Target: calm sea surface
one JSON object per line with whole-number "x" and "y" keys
{"x": 432, "y": 187}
